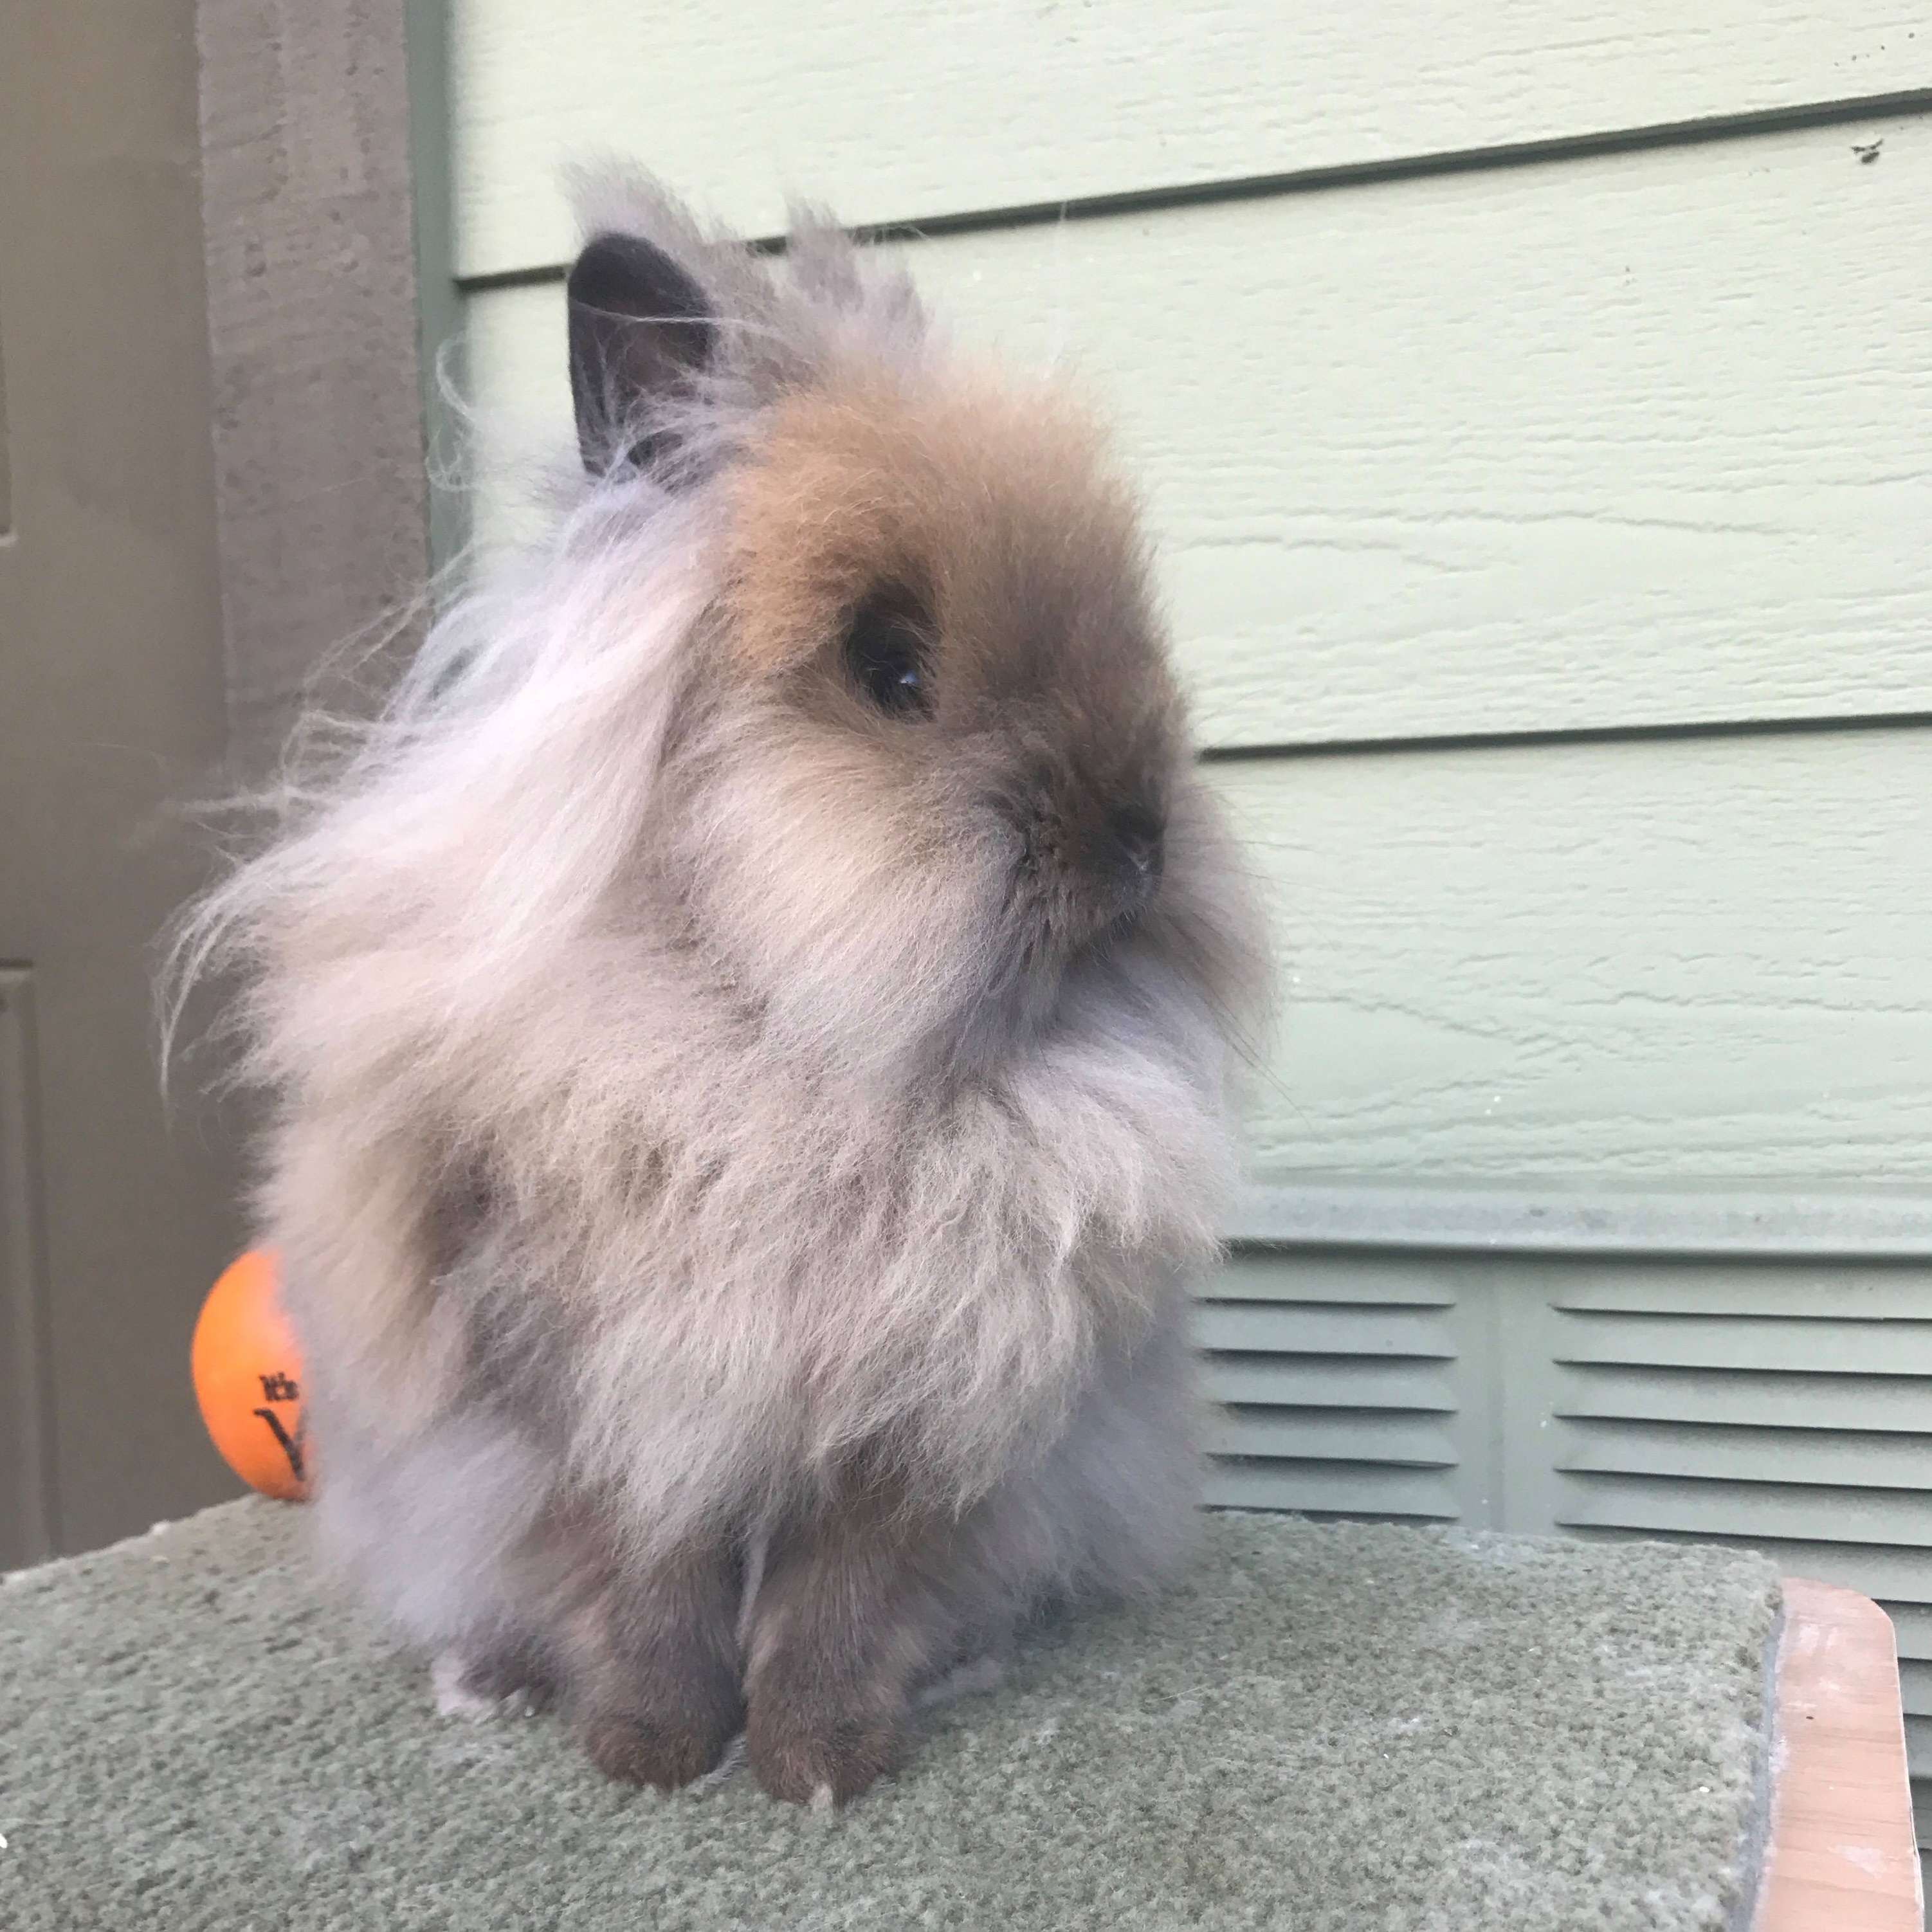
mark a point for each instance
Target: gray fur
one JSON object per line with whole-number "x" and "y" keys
{"x": 726, "y": 1139}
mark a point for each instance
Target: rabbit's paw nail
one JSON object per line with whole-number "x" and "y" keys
{"x": 476, "y": 1689}
{"x": 820, "y": 1758}
{"x": 664, "y": 1753}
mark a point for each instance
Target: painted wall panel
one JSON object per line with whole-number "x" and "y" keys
{"x": 1660, "y": 960}
{"x": 1009, "y": 103}
{"x": 1591, "y": 444}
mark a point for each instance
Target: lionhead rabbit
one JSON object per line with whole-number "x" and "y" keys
{"x": 750, "y": 1030}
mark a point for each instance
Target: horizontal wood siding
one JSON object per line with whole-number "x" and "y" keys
{"x": 1646, "y": 959}
{"x": 895, "y": 116}
{"x": 1648, "y": 467}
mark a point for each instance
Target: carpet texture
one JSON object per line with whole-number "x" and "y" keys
{"x": 1332, "y": 1726}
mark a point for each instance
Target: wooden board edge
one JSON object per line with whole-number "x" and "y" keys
{"x": 1841, "y": 1855}
{"x": 311, "y": 265}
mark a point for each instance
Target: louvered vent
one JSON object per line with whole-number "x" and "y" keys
{"x": 1789, "y": 1408}
{"x": 1336, "y": 1372}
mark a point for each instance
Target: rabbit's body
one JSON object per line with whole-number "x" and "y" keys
{"x": 751, "y": 1032}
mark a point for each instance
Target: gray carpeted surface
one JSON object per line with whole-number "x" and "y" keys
{"x": 1333, "y": 1727}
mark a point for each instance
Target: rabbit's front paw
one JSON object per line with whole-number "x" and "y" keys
{"x": 665, "y": 1751}
{"x": 810, "y": 1748}
{"x": 654, "y": 1686}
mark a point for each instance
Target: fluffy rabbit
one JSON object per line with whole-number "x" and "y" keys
{"x": 750, "y": 1032}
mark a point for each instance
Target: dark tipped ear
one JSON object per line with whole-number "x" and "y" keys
{"x": 640, "y": 327}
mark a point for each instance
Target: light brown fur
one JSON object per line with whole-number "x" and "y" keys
{"x": 868, "y": 477}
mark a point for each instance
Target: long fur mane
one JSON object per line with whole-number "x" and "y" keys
{"x": 702, "y": 1225}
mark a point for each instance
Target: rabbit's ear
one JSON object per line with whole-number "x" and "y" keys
{"x": 640, "y": 327}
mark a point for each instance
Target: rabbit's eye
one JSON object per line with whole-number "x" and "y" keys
{"x": 886, "y": 654}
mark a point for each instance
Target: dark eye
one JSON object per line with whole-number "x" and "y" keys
{"x": 885, "y": 653}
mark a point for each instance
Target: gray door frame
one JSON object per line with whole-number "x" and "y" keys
{"x": 329, "y": 298}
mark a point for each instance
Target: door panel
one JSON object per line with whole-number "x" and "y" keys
{"x": 111, "y": 712}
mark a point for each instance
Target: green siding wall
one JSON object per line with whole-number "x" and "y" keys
{"x": 896, "y": 115}
{"x": 1647, "y": 466}
{"x": 1532, "y": 403}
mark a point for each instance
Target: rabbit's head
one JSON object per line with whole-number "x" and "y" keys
{"x": 924, "y": 774}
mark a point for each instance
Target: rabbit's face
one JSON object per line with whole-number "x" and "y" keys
{"x": 942, "y": 741}
{"x": 930, "y": 761}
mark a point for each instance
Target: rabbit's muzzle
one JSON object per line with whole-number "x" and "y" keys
{"x": 1084, "y": 876}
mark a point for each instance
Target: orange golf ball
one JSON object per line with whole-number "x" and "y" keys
{"x": 248, "y": 1379}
